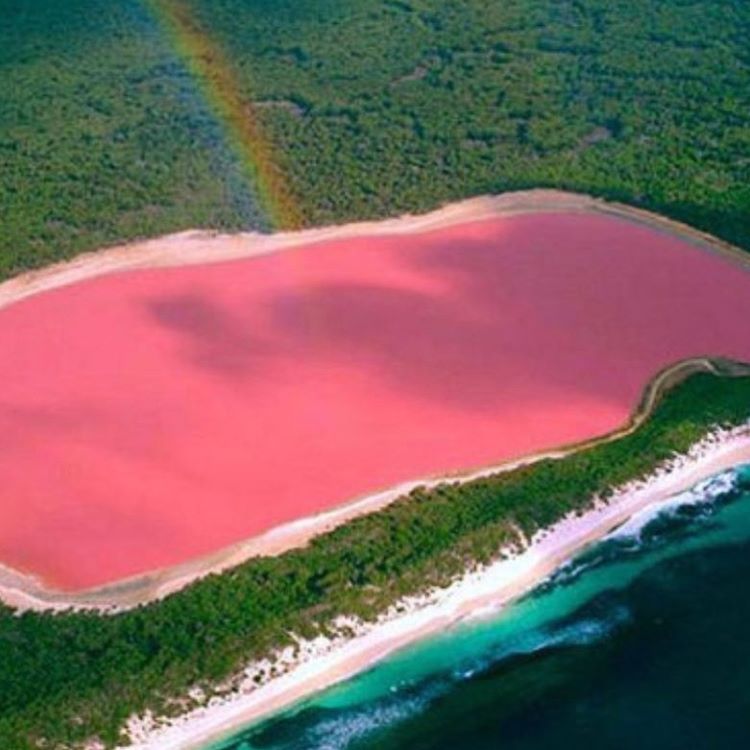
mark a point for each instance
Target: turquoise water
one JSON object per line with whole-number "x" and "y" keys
{"x": 642, "y": 641}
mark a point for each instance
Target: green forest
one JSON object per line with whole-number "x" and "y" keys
{"x": 68, "y": 677}
{"x": 103, "y": 134}
{"x": 373, "y": 107}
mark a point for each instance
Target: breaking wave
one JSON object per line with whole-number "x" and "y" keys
{"x": 655, "y": 526}
{"x": 585, "y": 631}
{"x": 340, "y": 729}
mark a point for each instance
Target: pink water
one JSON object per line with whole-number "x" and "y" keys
{"x": 150, "y": 417}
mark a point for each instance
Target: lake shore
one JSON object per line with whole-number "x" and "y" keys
{"x": 23, "y": 590}
{"x": 199, "y": 246}
{"x": 319, "y": 664}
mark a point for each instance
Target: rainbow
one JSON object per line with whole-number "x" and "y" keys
{"x": 218, "y": 83}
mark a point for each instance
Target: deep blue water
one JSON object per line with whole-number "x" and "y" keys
{"x": 642, "y": 642}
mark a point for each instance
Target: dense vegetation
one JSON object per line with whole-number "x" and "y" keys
{"x": 103, "y": 134}
{"x": 375, "y": 107}
{"x": 402, "y": 104}
{"x": 67, "y": 677}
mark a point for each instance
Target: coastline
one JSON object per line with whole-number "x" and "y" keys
{"x": 323, "y": 663}
{"x": 27, "y": 592}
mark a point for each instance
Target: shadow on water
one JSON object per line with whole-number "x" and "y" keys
{"x": 518, "y": 311}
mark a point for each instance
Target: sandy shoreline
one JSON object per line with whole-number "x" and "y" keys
{"x": 479, "y": 592}
{"x": 197, "y": 246}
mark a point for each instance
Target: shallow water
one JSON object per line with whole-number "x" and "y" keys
{"x": 640, "y": 642}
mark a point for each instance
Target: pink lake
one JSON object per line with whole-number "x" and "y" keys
{"x": 150, "y": 417}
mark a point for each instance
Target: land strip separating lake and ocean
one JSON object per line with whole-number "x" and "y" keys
{"x": 325, "y": 661}
{"x": 637, "y": 637}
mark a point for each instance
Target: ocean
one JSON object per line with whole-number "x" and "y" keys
{"x": 642, "y": 641}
